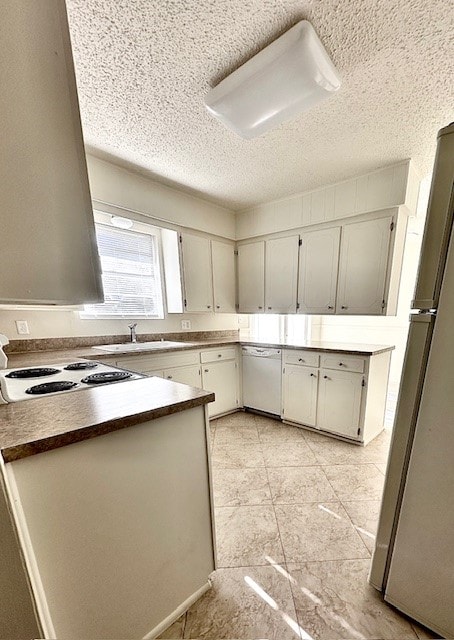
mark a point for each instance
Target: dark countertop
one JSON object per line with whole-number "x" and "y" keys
{"x": 32, "y": 358}
{"x": 41, "y": 424}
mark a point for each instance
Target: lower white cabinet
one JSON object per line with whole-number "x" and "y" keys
{"x": 221, "y": 378}
{"x": 186, "y": 375}
{"x": 300, "y": 385}
{"x": 336, "y": 393}
{"x": 339, "y": 402}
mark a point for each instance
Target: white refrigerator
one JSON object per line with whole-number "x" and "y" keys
{"x": 413, "y": 561}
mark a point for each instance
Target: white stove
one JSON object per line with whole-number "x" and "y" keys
{"x": 26, "y": 383}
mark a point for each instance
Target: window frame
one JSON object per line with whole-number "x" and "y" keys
{"x": 104, "y": 219}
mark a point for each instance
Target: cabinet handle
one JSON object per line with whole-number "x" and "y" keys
{"x": 331, "y": 307}
{"x": 344, "y": 306}
{"x": 313, "y": 375}
{"x": 169, "y": 377}
{"x": 326, "y": 377}
{"x": 218, "y": 306}
{"x": 301, "y": 360}
{"x": 208, "y": 306}
{"x": 260, "y": 307}
{"x": 206, "y": 370}
{"x": 341, "y": 364}
{"x": 219, "y": 355}
{"x": 270, "y": 308}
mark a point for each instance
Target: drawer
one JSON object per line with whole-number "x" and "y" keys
{"x": 297, "y": 356}
{"x": 343, "y": 363}
{"x": 157, "y": 361}
{"x": 215, "y": 355}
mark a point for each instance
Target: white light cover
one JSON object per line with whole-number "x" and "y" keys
{"x": 287, "y": 77}
{"x": 121, "y": 223}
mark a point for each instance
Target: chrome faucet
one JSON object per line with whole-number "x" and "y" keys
{"x": 132, "y": 331}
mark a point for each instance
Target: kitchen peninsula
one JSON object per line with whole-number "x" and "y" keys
{"x": 109, "y": 492}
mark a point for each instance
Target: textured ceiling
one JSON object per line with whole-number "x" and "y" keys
{"x": 144, "y": 66}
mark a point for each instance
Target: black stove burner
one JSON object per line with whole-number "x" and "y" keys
{"x": 51, "y": 387}
{"x": 78, "y": 366}
{"x": 106, "y": 376}
{"x": 32, "y": 373}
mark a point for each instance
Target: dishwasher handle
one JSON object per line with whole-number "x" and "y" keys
{"x": 259, "y": 352}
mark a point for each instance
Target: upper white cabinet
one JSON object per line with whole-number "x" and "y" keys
{"x": 268, "y": 275}
{"x": 208, "y": 273}
{"x": 197, "y": 274}
{"x": 223, "y": 259}
{"x": 281, "y": 274}
{"x": 365, "y": 248}
{"x": 49, "y": 252}
{"x": 251, "y": 277}
{"x": 319, "y": 259}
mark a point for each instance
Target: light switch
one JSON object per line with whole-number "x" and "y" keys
{"x": 185, "y": 324}
{"x": 22, "y": 327}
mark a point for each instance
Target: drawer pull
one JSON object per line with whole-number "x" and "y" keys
{"x": 208, "y": 306}
{"x": 341, "y": 364}
{"x": 313, "y": 375}
{"x": 344, "y": 306}
{"x": 270, "y": 308}
{"x": 169, "y": 377}
{"x": 326, "y": 377}
{"x": 301, "y": 360}
{"x": 206, "y": 370}
{"x": 260, "y": 307}
{"x": 219, "y": 355}
{"x": 330, "y": 307}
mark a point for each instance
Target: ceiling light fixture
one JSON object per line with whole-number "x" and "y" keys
{"x": 286, "y": 78}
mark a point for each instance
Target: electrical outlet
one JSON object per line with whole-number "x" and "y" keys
{"x": 22, "y": 327}
{"x": 185, "y": 324}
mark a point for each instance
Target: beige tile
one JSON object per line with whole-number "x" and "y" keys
{"x": 246, "y": 536}
{"x": 226, "y": 434}
{"x": 234, "y": 487}
{"x": 382, "y": 468}
{"x": 239, "y": 606}
{"x": 237, "y": 456}
{"x": 238, "y": 419}
{"x": 294, "y": 485}
{"x": 329, "y": 450}
{"x": 422, "y": 633}
{"x": 274, "y": 432}
{"x": 174, "y": 632}
{"x": 364, "y": 515}
{"x": 334, "y": 600}
{"x": 355, "y": 482}
{"x": 289, "y": 454}
{"x": 318, "y": 531}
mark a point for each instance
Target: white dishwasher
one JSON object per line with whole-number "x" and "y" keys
{"x": 262, "y": 379}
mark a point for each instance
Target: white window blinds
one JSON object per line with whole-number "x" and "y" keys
{"x": 130, "y": 274}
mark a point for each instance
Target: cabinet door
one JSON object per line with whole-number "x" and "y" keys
{"x": 319, "y": 261}
{"x": 362, "y": 267}
{"x": 299, "y": 391}
{"x": 222, "y": 379}
{"x": 198, "y": 282}
{"x": 48, "y": 243}
{"x": 281, "y": 274}
{"x": 223, "y": 259}
{"x": 339, "y": 402}
{"x": 251, "y": 277}
{"x": 186, "y": 375}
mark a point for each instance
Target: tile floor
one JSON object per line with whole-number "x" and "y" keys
{"x": 295, "y": 514}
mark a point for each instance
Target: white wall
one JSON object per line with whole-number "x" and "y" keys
{"x": 113, "y": 185}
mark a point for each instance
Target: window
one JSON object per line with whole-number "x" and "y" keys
{"x": 130, "y": 271}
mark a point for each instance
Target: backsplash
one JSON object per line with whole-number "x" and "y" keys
{"x": 45, "y": 344}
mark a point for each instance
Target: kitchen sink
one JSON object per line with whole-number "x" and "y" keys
{"x": 142, "y": 346}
